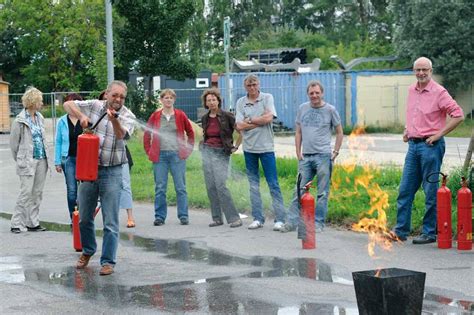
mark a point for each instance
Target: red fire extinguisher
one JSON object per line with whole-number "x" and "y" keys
{"x": 464, "y": 217}
{"x": 76, "y": 233}
{"x": 88, "y": 153}
{"x": 444, "y": 215}
{"x": 87, "y": 156}
{"x": 307, "y": 211}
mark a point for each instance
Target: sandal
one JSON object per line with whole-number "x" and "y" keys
{"x": 130, "y": 223}
{"x": 236, "y": 223}
{"x": 215, "y": 223}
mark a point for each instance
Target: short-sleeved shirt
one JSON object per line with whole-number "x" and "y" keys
{"x": 111, "y": 150}
{"x": 316, "y": 127}
{"x": 260, "y": 139}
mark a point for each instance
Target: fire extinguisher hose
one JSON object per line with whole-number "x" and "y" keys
{"x": 100, "y": 119}
{"x": 445, "y": 176}
{"x": 301, "y": 226}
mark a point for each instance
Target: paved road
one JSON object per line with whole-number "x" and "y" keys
{"x": 181, "y": 269}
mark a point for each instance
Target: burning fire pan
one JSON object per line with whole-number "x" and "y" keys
{"x": 389, "y": 291}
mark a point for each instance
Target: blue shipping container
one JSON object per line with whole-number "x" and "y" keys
{"x": 289, "y": 91}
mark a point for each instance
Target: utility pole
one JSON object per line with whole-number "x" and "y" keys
{"x": 110, "y": 41}
{"x": 226, "y": 50}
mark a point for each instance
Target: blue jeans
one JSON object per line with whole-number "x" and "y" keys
{"x": 126, "y": 199}
{"x": 107, "y": 187}
{"x": 421, "y": 160}
{"x": 269, "y": 169}
{"x": 170, "y": 162}
{"x": 319, "y": 165}
{"x": 68, "y": 164}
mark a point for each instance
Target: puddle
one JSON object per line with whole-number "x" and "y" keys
{"x": 211, "y": 295}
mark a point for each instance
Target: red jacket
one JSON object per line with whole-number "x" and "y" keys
{"x": 151, "y": 140}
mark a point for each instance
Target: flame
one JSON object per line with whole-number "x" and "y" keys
{"x": 374, "y": 222}
{"x": 377, "y": 273}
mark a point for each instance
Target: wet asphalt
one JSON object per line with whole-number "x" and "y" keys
{"x": 202, "y": 270}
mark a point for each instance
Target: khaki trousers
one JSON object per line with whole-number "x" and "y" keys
{"x": 26, "y": 213}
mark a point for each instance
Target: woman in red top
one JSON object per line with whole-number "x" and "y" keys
{"x": 168, "y": 141}
{"x": 217, "y": 146}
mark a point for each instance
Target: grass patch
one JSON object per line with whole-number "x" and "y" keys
{"x": 464, "y": 130}
{"x": 348, "y": 201}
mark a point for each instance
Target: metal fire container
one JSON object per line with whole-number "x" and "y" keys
{"x": 389, "y": 291}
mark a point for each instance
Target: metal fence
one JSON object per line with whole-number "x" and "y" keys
{"x": 51, "y": 101}
{"x": 370, "y": 104}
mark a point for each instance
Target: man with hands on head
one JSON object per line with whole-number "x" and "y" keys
{"x": 113, "y": 129}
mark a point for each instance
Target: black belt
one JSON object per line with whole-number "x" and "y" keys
{"x": 417, "y": 140}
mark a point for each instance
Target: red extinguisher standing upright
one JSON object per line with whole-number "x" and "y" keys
{"x": 464, "y": 217}
{"x": 307, "y": 211}
{"x": 444, "y": 223}
{"x": 76, "y": 234}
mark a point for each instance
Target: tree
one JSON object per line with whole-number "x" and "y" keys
{"x": 59, "y": 39}
{"x": 443, "y": 32}
{"x": 152, "y": 36}
{"x": 11, "y": 60}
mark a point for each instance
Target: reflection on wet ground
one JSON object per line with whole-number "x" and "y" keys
{"x": 191, "y": 251}
{"x": 211, "y": 295}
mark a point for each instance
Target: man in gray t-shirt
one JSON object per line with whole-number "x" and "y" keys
{"x": 315, "y": 121}
{"x": 254, "y": 118}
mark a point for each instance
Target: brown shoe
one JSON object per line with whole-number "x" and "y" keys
{"x": 106, "y": 270}
{"x": 83, "y": 261}
{"x": 236, "y": 223}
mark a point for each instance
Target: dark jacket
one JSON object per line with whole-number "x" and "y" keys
{"x": 226, "y": 124}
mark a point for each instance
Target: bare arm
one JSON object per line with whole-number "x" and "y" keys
{"x": 254, "y": 122}
{"x": 265, "y": 119}
{"x": 298, "y": 137}
{"x": 72, "y": 109}
{"x": 337, "y": 145}
{"x": 244, "y": 125}
{"x": 119, "y": 131}
{"x": 237, "y": 142}
{"x": 450, "y": 126}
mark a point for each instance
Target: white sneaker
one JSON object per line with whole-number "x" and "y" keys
{"x": 278, "y": 226}
{"x": 255, "y": 225}
{"x": 318, "y": 229}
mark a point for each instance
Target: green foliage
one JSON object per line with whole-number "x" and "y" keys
{"x": 141, "y": 104}
{"x": 59, "y": 39}
{"x": 152, "y": 34}
{"x": 441, "y": 32}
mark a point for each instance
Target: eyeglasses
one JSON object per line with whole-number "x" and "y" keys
{"x": 422, "y": 70}
{"x": 119, "y": 96}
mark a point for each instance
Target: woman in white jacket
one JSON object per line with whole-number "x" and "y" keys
{"x": 28, "y": 147}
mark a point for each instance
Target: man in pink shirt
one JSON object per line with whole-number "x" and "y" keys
{"x": 428, "y": 104}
